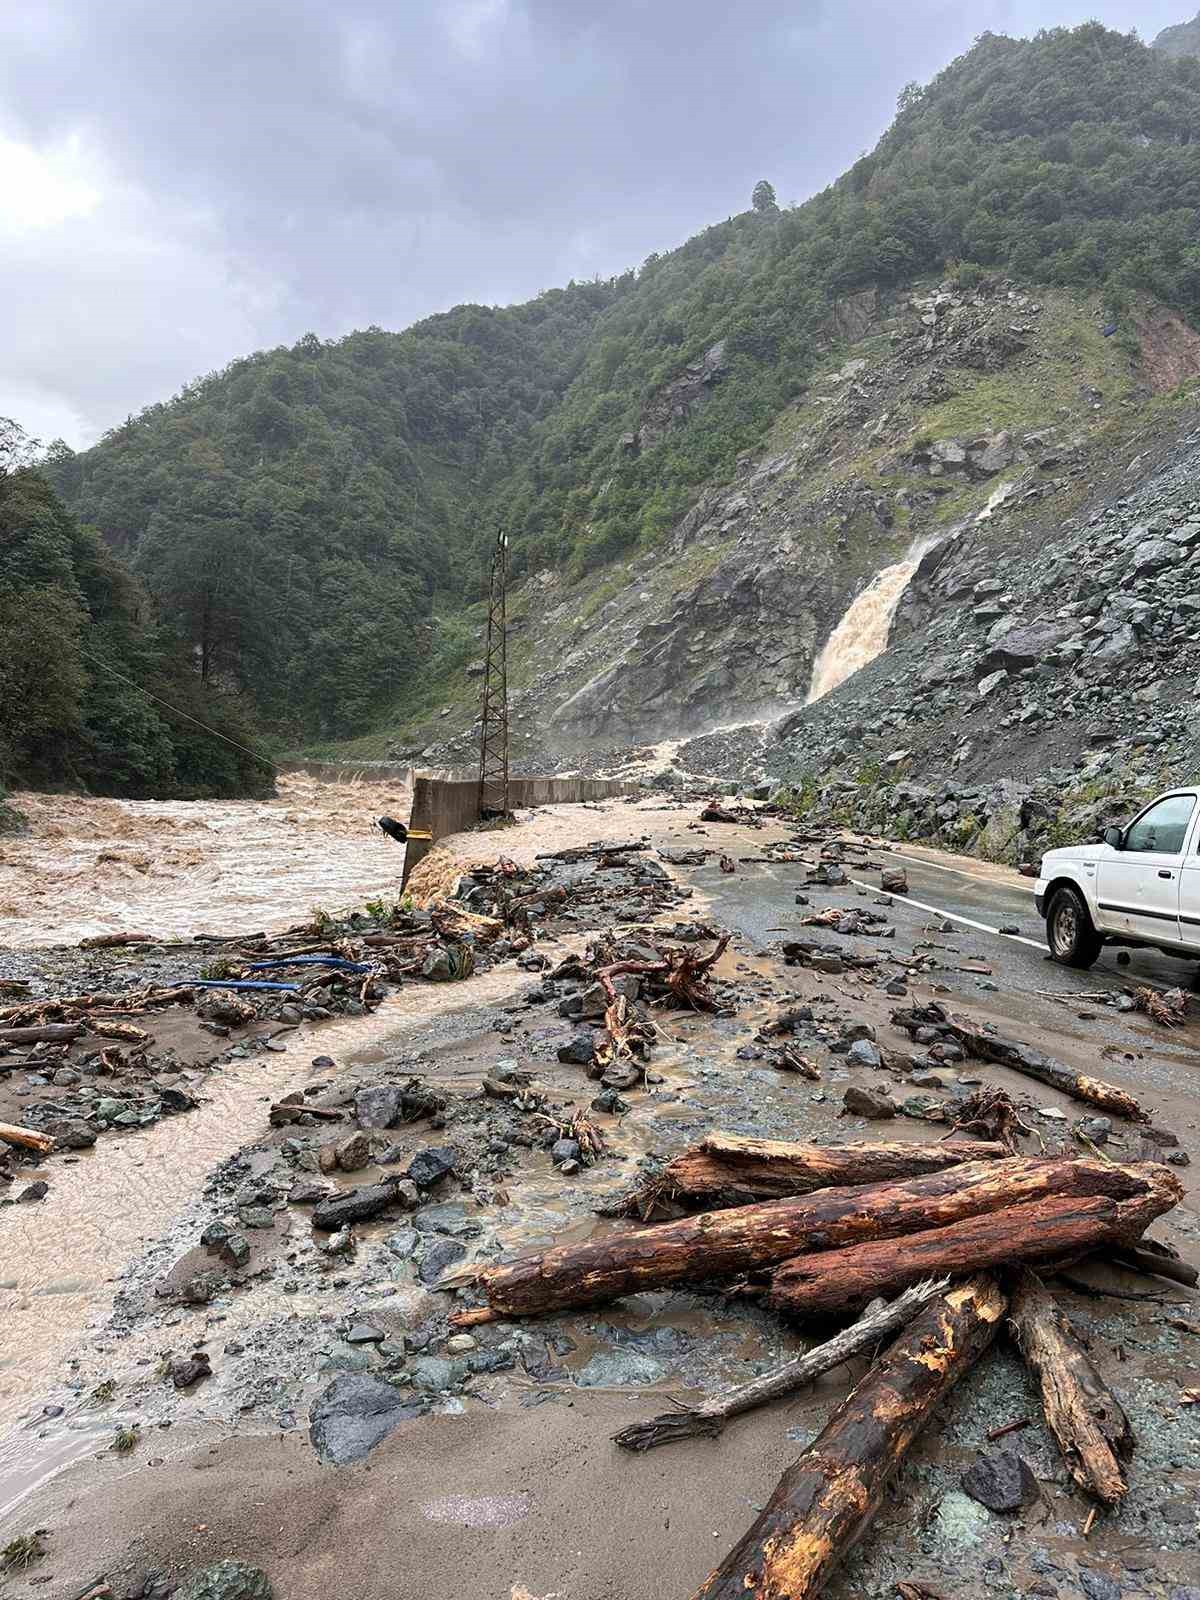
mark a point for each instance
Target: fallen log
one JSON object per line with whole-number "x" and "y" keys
{"x": 739, "y": 1169}
{"x": 1081, "y": 1410}
{"x": 26, "y": 1138}
{"x": 1024, "y": 1059}
{"x": 720, "y": 1244}
{"x": 1157, "y": 1263}
{"x": 48, "y": 1033}
{"x": 109, "y": 941}
{"x": 126, "y": 1032}
{"x": 709, "y": 1419}
{"x": 1057, "y": 1228}
{"x": 825, "y": 1501}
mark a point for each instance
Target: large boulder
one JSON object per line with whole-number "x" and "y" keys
{"x": 1022, "y": 644}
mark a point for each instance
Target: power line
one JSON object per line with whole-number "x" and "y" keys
{"x": 175, "y": 711}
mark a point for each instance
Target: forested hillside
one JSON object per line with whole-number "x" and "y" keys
{"x": 300, "y": 516}
{"x": 85, "y": 666}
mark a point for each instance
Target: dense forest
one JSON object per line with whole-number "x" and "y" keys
{"x": 299, "y": 517}
{"x": 86, "y": 670}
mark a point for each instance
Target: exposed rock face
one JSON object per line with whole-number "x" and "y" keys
{"x": 674, "y": 404}
{"x": 1044, "y": 590}
{"x": 1170, "y": 350}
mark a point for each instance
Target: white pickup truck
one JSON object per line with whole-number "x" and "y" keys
{"x": 1140, "y": 886}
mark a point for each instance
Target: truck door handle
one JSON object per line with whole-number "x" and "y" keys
{"x": 1163, "y": 873}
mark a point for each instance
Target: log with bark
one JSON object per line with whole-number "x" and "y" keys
{"x": 1083, "y": 1414}
{"x": 727, "y": 1168}
{"x": 709, "y": 1419}
{"x": 26, "y": 1138}
{"x": 110, "y": 941}
{"x": 1024, "y": 1059}
{"x": 1060, "y": 1227}
{"x": 721, "y": 1244}
{"x": 825, "y": 1501}
{"x": 1157, "y": 1261}
{"x": 50, "y": 1033}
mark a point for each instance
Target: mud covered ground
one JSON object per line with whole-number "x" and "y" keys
{"x": 500, "y": 1480}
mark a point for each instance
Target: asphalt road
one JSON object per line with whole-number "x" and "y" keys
{"x": 761, "y": 900}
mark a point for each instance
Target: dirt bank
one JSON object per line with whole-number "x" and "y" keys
{"x": 170, "y": 867}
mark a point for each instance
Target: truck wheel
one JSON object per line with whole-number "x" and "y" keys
{"x": 1072, "y": 938}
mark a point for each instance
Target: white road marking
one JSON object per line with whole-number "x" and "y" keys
{"x": 952, "y": 916}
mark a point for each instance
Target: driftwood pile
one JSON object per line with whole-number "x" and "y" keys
{"x": 950, "y": 1231}
{"x": 622, "y": 983}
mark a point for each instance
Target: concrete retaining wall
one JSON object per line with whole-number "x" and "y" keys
{"x": 441, "y": 807}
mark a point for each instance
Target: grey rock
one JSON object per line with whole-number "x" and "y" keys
{"x": 226, "y": 1580}
{"x": 353, "y": 1414}
{"x": 378, "y": 1105}
{"x": 1002, "y": 1481}
{"x": 439, "y": 1254}
{"x": 356, "y": 1205}
{"x": 578, "y": 1050}
{"x": 430, "y": 1166}
{"x": 874, "y": 1104}
{"x": 188, "y": 1370}
{"x": 1098, "y": 1585}
{"x": 864, "y": 1053}
{"x": 618, "y": 1368}
{"x": 564, "y": 1150}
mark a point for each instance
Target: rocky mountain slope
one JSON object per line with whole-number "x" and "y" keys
{"x": 699, "y": 426}
{"x": 1049, "y": 463}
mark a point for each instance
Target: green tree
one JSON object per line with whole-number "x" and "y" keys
{"x": 763, "y": 198}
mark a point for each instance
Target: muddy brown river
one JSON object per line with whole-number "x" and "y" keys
{"x": 172, "y": 867}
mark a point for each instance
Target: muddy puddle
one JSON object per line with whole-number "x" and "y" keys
{"x": 91, "y": 866}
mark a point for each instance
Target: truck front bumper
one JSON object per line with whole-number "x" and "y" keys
{"x": 1039, "y": 897}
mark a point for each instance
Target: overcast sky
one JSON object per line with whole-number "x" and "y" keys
{"x": 181, "y": 182}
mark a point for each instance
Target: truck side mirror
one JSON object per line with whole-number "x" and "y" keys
{"x": 1114, "y": 837}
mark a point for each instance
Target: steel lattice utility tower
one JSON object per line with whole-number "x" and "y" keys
{"x": 493, "y": 737}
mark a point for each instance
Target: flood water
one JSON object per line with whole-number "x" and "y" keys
{"x": 176, "y": 867}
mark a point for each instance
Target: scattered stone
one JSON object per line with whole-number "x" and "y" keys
{"x": 864, "y": 1053}
{"x": 226, "y": 1580}
{"x": 191, "y": 1369}
{"x": 353, "y": 1414}
{"x": 356, "y": 1205}
{"x": 1002, "y": 1480}
{"x": 430, "y": 1166}
{"x": 354, "y": 1153}
{"x": 875, "y": 1104}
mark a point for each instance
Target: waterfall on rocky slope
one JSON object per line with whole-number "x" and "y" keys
{"x": 862, "y": 634}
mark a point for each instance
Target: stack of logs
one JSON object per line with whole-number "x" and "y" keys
{"x": 952, "y": 1230}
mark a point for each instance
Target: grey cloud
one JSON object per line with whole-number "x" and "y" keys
{"x": 322, "y": 166}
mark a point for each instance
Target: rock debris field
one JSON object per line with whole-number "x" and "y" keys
{"x": 664, "y": 1122}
